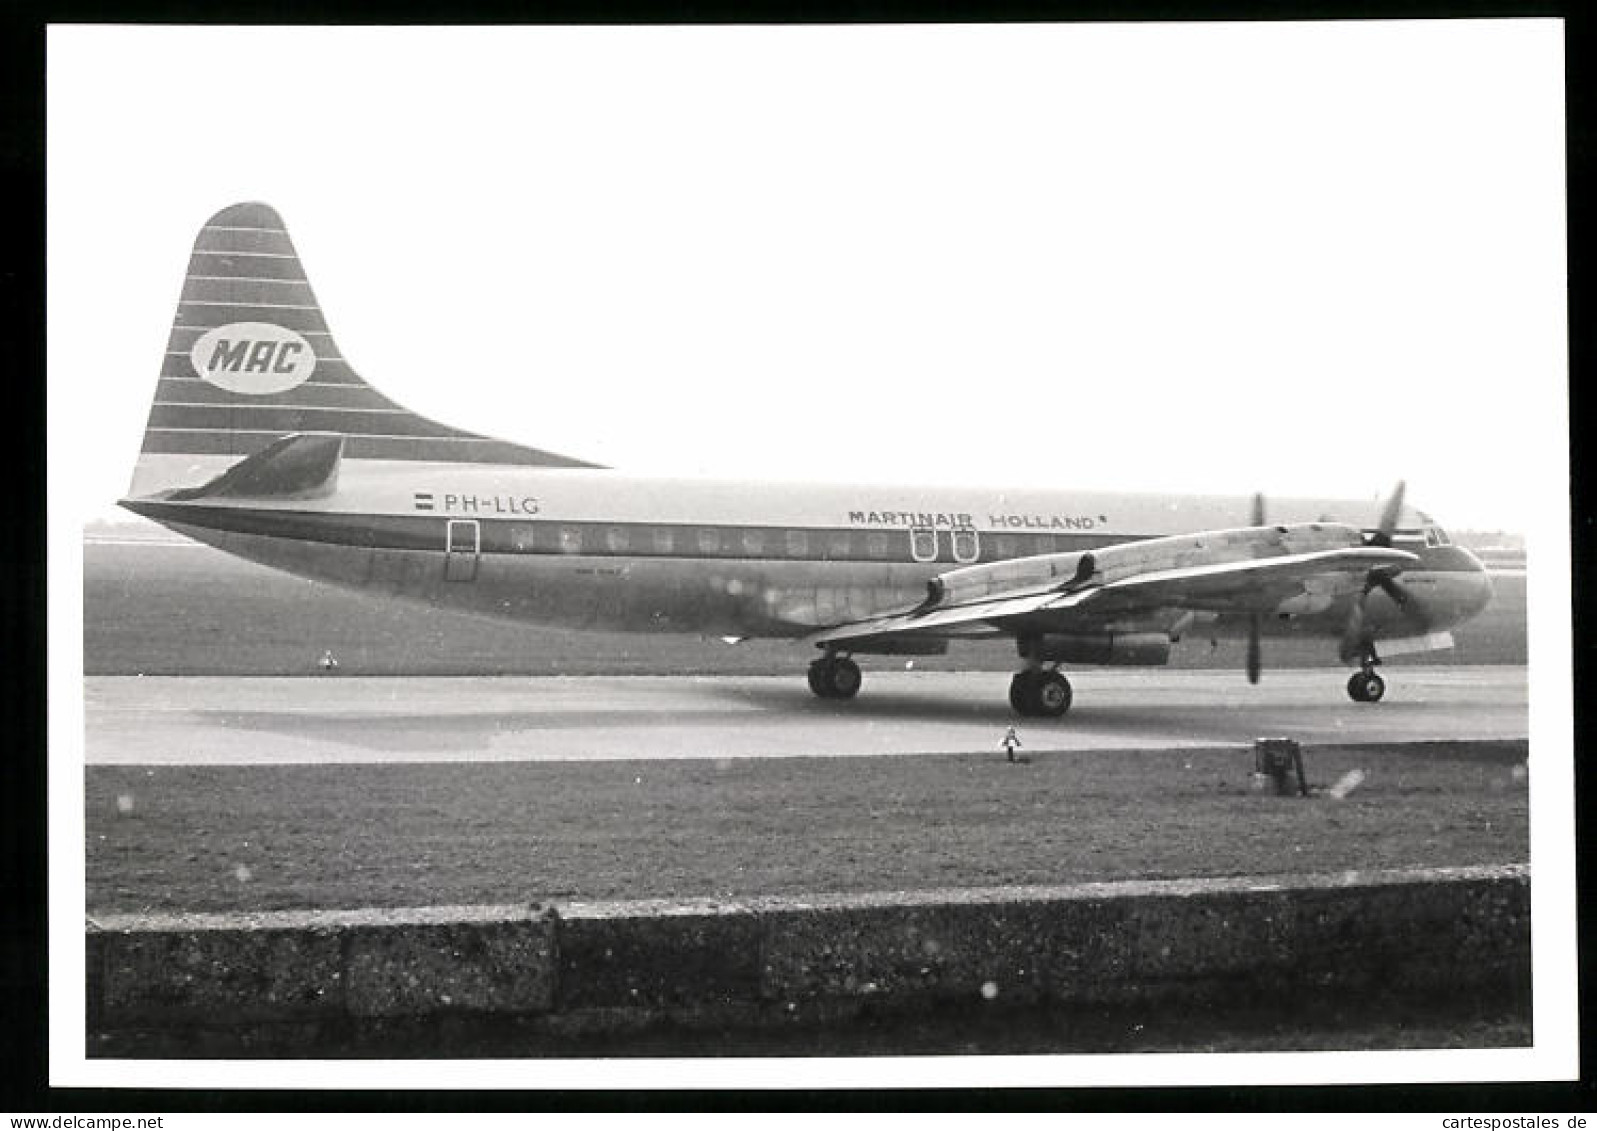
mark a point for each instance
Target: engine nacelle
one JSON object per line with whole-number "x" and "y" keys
{"x": 901, "y": 644}
{"x": 1131, "y": 649}
{"x": 1013, "y": 578}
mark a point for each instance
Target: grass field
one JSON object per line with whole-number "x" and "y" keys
{"x": 185, "y": 610}
{"x": 256, "y": 838}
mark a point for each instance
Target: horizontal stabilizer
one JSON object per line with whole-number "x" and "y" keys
{"x": 303, "y": 465}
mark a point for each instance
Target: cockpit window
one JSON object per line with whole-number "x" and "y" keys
{"x": 1436, "y": 536}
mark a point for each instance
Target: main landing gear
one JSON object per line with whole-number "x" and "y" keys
{"x": 1040, "y": 692}
{"x": 1364, "y": 686}
{"x": 835, "y": 677}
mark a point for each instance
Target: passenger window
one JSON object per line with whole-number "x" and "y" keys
{"x": 615, "y": 540}
{"x": 798, "y": 544}
{"x": 838, "y": 546}
{"x": 877, "y": 544}
{"x": 1008, "y": 546}
{"x": 1044, "y": 544}
{"x": 664, "y": 540}
{"x": 709, "y": 541}
{"x": 923, "y": 544}
{"x": 754, "y": 542}
{"x": 966, "y": 546}
{"x": 570, "y": 540}
{"x": 521, "y": 539}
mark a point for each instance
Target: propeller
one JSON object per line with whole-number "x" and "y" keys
{"x": 1255, "y": 620}
{"x": 1355, "y": 641}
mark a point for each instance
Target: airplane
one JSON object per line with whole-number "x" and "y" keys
{"x": 264, "y": 442}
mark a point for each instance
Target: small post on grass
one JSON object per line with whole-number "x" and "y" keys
{"x": 1279, "y": 760}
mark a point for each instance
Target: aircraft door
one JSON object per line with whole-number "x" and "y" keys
{"x": 462, "y": 545}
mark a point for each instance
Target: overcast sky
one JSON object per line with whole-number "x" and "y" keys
{"x": 1298, "y": 258}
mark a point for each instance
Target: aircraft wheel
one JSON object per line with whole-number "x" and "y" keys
{"x": 1020, "y": 691}
{"x": 836, "y": 677}
{"x": 844, "y": 678}
{"x": 1366, "y": 687}
{"x": 1045, "y": 694}
{"x": 1052, "y": 695}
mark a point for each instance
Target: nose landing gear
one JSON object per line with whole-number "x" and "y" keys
{"x": 1365, "y": 686}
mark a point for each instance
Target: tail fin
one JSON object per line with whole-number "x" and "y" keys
{"x": 250, "y": 360}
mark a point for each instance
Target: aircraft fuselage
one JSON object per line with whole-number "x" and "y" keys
{"x": 598, "y": 549}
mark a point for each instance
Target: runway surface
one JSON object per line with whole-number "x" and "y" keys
{"x": 230, "y": 721}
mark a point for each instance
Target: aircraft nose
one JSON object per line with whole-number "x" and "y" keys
{"x": 1476, "y": 588}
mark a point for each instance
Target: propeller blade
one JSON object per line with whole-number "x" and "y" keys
{"x": 1388, "y": 520}
{"x": 1390, "y": 586}
{"x": 1402, "y": 596}
{"x": 1353, "y": 642}
{"x": 1255, "y": 653}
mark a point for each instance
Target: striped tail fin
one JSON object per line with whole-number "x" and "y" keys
{"x": 250, "y": 360}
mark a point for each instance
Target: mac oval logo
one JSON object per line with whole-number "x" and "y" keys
{"x": 253, "y": 358}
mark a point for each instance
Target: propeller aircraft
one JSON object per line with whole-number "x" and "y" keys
{"x": 263, "y": 441}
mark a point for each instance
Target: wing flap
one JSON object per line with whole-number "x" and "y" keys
{"x": 934, "y": 621}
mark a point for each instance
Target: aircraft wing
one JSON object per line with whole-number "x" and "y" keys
{"x": 1253, "y": 585}
{"x": 1256, "y": 585}
{"x": 959, "y": 620}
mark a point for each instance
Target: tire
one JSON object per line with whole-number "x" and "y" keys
{"x": 1366, "y": 687}
{"x": 836, "y": 678}
{"x": 1051, "y": 697}
{"x": 843, "y": 678}
{"x": 1020, "y": 692}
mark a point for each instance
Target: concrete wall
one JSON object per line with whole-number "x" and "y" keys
{"x": 601, "y": 966}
